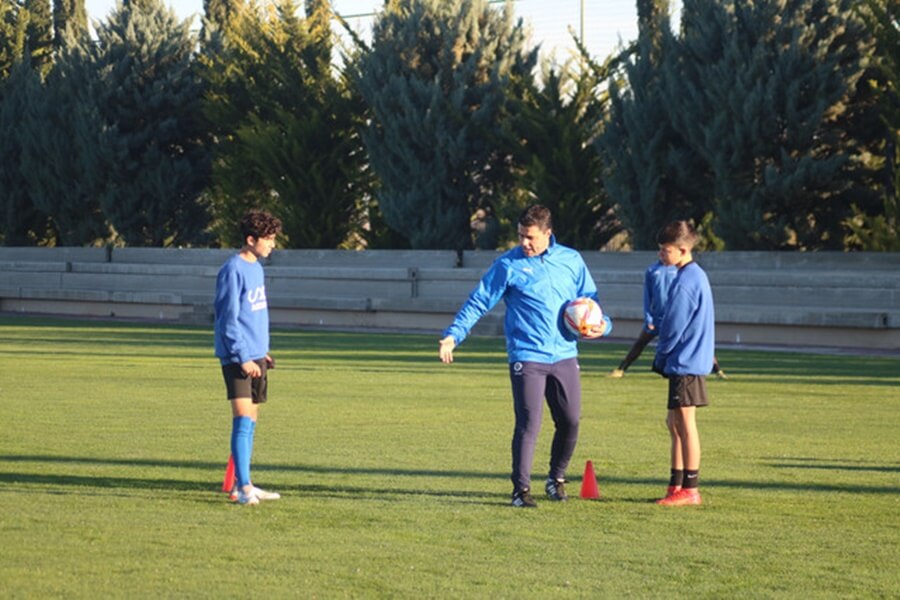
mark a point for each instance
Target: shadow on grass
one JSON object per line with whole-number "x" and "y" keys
{"x": 324, "y": 491}
{"x": 829, "y": 464}
{"x": 182, "y": 485}
{"x": 380, "y": 492}
{"x": 299, "y": 468}
{"x": 101, "y": 482}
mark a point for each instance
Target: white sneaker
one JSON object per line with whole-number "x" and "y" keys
{"x": 264, "y": 495}
{"x": 233, "y": 494}
{"x": 249, "y": 498}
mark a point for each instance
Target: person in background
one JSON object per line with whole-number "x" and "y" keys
{"x": 485, "y": 228}
{"x": 657, "y": 280}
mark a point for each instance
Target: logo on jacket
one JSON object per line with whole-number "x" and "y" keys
{"x": 257, "y": 298}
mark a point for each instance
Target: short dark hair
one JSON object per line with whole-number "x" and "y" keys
{"x": 259, "y": 223}
{"x": 678, "y": 233}
{"x": 536, "y": 215}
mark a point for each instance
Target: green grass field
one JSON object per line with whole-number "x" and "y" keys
{"x": 394, "y": 472}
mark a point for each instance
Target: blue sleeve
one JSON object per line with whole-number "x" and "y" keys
{"x": 609, "y": 325}
{"x": 648, "y": 298}
{"x": 587, "y": 287}
{"x": 483, "y": 298}
{"x": 228, "y": 306}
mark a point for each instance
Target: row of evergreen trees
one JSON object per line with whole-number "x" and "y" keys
{"x": 771, "y": 123}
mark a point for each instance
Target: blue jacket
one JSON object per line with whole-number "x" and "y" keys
{"x": 687, "y": 333}
{"x": 657, "y": 280}
{"x": 242, "y": 313}
{"x": 535, "y": 290}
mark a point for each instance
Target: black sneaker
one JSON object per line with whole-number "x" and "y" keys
{"x": 556, "y": 490}
{"x": 523, "y": 499}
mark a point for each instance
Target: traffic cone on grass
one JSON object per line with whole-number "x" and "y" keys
{"x": 589, "y": 488}
{"x": 228, "y": 482}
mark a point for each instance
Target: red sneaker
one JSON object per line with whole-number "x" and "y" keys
{"x": 672, "y": 489}
{"x": 683, "y": 497}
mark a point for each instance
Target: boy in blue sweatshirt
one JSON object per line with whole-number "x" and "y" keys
{"x": 684, "y": 354}
{"x": 241, "y": 336}
{"x": 535, "y": 280}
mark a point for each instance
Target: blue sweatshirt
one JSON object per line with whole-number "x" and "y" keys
{"x": 687, "y": 333}
{"x": 535, "y": 290}
{"x": 657, "y": 280}
{"x": 242, "y": 314}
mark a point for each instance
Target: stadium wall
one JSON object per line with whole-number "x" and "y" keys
{"x": 822, "y": 299}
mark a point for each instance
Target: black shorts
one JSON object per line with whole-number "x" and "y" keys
{"x": 687, "y": 390}
{"x": 241, "y": 385}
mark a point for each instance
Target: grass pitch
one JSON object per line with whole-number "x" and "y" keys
{"x": 394, "y": 474}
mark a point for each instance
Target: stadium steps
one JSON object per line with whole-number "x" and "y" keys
{"x": 836, "y": 299}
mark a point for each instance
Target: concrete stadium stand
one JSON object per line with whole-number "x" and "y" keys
{"x": 839, "y": 300}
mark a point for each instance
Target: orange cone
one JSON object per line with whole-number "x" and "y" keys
{"x": 228, "y": 483}
{"x": 589, "y": 488}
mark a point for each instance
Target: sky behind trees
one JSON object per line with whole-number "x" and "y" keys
{"x": 605, "y": 23}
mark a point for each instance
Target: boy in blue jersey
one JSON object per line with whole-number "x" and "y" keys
{"x": 657, "y": 280}
{"x": 535, "y": 280}
{"x": 242, "y": 342}
{"x": 684, "y": 354}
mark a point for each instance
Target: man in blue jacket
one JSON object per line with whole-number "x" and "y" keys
{"x": 536, "y": 280}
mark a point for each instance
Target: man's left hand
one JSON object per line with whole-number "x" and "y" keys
{"x": 596, "y": 331}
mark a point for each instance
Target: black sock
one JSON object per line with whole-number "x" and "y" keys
{"x": 677, "y": 478}
{"x": 691, "y": 478}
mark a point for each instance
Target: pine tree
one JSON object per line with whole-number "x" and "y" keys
{"x": 558, "y": 163}
{"x": 153, "y": 157}
{"x": 68, "y": 15}
{"x": 652, "y": 173}
{"x": 879, "y": 229}
{"x": 758, "y": 88}
{"x": 217, "y": 14}
{"x": 22, "y": 224}
{"x": 436, "y": 81}
{"x": 57, "y": 129}
{"x": 13, "y": 25}
{"x": 39, "y": 34}
{"x": 653, "y": 24}
{"x": 285, "y": 125}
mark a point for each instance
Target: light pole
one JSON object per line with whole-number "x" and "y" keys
{"x": 581, "y": 24}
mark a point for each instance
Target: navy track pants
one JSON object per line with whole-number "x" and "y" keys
{"x": 560, "y": 384}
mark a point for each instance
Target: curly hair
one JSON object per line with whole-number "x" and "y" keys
{"x": 259, "y": 223}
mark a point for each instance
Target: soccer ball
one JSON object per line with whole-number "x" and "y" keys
{"x": 581, "y": 314}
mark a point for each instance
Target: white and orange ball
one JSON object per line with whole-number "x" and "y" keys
{"x": 581, "y": 315}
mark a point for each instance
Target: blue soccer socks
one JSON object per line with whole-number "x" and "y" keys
{"x": 242, "y": 448}
{"x": 252, "y": 438}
